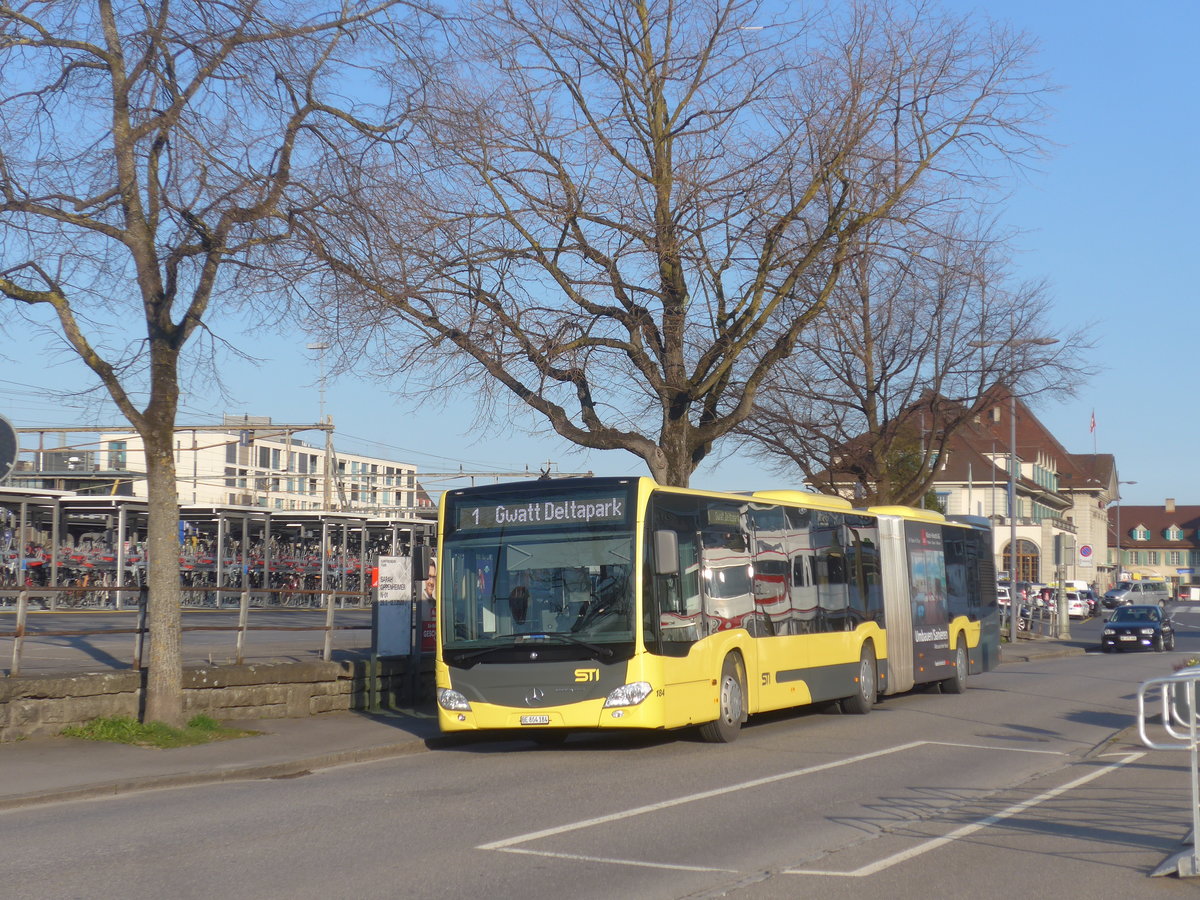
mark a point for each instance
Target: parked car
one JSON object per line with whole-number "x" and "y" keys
{"x": 1002, "y": 594}
{"x": 1136, "y": 592}
{"x": 1077, "y": 605}
{"x": 1138, "y": 626}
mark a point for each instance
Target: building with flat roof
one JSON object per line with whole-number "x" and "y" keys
{"x": 247, "y": 461}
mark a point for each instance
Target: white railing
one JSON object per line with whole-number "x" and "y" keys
{"x": 1179, "y": 727}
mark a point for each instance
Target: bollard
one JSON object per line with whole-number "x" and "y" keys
{"x": 19, "y": 638}
{"x": 243, "y": 615}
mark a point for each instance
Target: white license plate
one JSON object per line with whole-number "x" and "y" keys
{"x": 535, "y": 720}
{"x": 1129, "y": 637}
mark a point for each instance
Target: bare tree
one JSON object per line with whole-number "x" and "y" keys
{"x": 918, "y": 333}
{"x": 630, "y": 210}
{"x": 149, "y": 153}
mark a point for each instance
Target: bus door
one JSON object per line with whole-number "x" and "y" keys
{"x": 928, "y": 594}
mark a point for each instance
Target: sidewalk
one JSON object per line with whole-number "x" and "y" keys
{"x": 49, "y": 770}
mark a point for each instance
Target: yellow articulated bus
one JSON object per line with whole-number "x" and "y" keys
{"x": 596, "y": 603}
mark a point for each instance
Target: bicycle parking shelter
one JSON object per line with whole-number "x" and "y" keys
{"x": 227, "y": 544}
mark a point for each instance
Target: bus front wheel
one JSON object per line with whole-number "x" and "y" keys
{"x": 732, "y": 702}
{"x": 860, "y": 704}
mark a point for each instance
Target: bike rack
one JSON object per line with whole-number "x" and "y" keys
{"x": 1181, "y": 724}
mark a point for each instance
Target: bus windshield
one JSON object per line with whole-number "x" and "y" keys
{"x": 508, "y": 589}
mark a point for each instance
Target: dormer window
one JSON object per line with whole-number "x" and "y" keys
{"x": 1141, "y": 533}
{"x": 1174, "y": 533}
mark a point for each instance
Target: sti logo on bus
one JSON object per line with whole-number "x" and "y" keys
{"x": 587, "y": 674}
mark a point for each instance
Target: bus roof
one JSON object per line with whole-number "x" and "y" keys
{"x": 908, "y": 512}
{"x": 805, "y": 498}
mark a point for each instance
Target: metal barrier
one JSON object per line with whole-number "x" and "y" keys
{"x": 244, "y": 602}
{"x": 1180, "y": 726}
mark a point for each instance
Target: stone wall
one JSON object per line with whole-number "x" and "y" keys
{"x": 31, "y": 706}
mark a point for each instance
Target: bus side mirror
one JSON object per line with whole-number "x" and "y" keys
{"x": 420, "y": 561}
{"x": 666, "y": 552}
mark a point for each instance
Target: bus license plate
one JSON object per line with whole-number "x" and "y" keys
{"x": 535, "y": 720}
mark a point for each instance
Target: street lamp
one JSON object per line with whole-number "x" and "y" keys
{"x": 327, "y": 486}
{"x": 1013, "y": 343}
{"x": 1120, "y": 563}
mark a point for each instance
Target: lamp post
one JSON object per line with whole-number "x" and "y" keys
{"x": 1120, "y": 563}
{"x": 1012, "y": 344}
{"x": 327, "y": 486}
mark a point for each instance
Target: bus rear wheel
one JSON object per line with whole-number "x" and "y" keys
{"x": 957, "y": 683}
{"x": 732, "y": 701}
{"x": 860, "y": 704}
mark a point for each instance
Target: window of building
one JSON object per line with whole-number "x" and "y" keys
{"x": 1028, "y": 561}
{"x": 116, "y": 455}
{"x": 1174, "y": 533}
{"x": 1141, "y": 533}
{"x": 1152, "y": 557}
{"x": 1174, "y": 558}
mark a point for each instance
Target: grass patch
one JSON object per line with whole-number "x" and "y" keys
{"x": 124, "y": 730}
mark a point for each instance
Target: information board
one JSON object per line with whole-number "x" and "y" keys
{"x": 394, "y": 607}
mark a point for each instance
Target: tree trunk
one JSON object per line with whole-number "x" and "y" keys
{"x": 164, "y": 684}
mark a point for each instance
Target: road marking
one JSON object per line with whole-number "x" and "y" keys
{"x": 729, "y": 789}
{"x": 934, "y": 843}
{"x": 578, "y": 857}
{"x": 995, "y": 747}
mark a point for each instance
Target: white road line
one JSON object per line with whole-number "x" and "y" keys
{"x": 904, "y": 855}
{"x": 995, "y": 747}
{"x": 619, "y": 862}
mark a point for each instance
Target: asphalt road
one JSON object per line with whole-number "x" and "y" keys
{"x": 1016, "y": 788}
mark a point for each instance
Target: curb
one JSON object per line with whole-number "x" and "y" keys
{"x": 1035, "y": 655}
{"x": 290, "y": 769}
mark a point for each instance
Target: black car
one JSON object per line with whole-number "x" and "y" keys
{"x": 1137, "y": 627}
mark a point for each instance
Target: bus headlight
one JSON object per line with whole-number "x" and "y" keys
{"x": 628, "y": 694}
{"x": 452, "y": 700}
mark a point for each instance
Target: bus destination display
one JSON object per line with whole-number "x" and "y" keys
{"x": 538, "y": 513}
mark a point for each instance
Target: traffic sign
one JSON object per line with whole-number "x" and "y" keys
{"x": 1085, "y": 550}
{"x": 8, "y": 448}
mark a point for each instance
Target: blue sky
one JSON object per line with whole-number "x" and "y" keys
{"x": 1108, "y": 219}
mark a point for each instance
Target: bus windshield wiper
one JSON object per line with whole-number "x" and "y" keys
{"x": 598, "y": 649}
{"x": 463, "y": 656}
{"x": 523, "y": 641}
